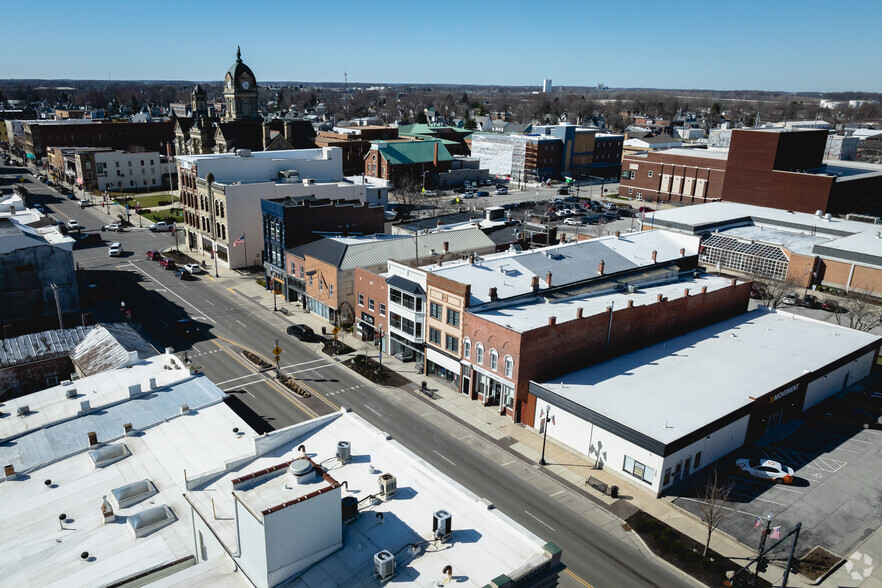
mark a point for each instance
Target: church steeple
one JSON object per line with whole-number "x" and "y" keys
{"x": 240, "y": 91}
{"x": 238, "y": 54}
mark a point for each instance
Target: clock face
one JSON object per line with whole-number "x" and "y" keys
{"x": 246, "y": 84}
{"x": 229, "y": 83}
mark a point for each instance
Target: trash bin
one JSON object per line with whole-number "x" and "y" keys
{"x": 324, "y": 332}
{"x": 425, "y": 384}
{"x": 613, "y": 491}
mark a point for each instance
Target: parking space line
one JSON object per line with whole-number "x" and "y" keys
{"x": 758, "y": 498}
{"x": 764, "y": 484}
{"x": 825, "y": 464}
{"x": 750, "y": 514}
{"x": 829, "y": 449}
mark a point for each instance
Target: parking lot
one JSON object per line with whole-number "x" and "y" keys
{"x": 836, "y": 491}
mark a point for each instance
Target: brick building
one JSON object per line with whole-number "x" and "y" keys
{"x": 394, "y": 161}
{"x": 292, "y": 221}
{"x": 355, "y": 143}
{"x": 776, "y": 168}
{"x": 150, "y": 136}
{"x": 520, "y": 157}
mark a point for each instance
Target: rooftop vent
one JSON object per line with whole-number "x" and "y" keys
{"x": 23, "y": 410}
{"x": 130, "y": 494}
{"x": 388, "y": 485}
{"x": 632, "y": 288}
{"x": 344, "y": 451}
{"x": 243, "y": 152}
{"x": 442, "y": 524}
{"x": 104, "y": 456}
{"x": 150, "y": 520}
{"x": 384, "y": 564}
{"x": 70, "y": 393}
{"x": 349, "y": 506}
{"x": 828, "y": 216}
{"x": 819, "y": 213}
{"x": 302, "y": 471}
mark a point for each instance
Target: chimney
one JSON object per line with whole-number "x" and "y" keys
{"x": 659, "y": 298}
{"x": 654, "y": 255}
{"x": 631, "y": 303}
{"x": 535, "y": 284}
{"x": 704, "y": 289}
{"x": 471, "y": 259}
{"x": 734, "y": 281}
{"x": 93, "y": 438}
{"x": 493, "y": 295}
{"x": 439, "y": 223}
{"x": 548, "y": 279}
{"x": 618, "y": 234}
{"x": 682, "y": 251}
{"x": 600, "y": 267}
{"x": 107, "y": 511}
{"x": 579, "y": 312}
{"x": 440, "y": 263}
{"x": 9, "y": 471}
{"x": 435, "y": 159}
{"x": 127, "y": 429}
{"x": 446, "y": 246}
{"x": 686, "y": 292}
{"x": 552, "y": 320}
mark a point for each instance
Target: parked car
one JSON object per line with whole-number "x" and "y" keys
{"x": 766, "y": 469}
{"x": 571, "y": 199}
{"x": 645, "y": 209}
{"x": 84, "y": 239}
{"x": 430, "y": 193}
{"x": 468, "y": 195}
{"x": 573, "y": 221}
{"x": 73, "y": 225}
{"x": 161, "y": 226}
{"x": 563, "y": 191}
{"x": 116, "y": 227}
{"x": 188, "y": 327}
{"x": 194, "y": 268}
{"x": 302, "y": 332}
{"x": 40, "y": 208}
{"x": 832, "y": 306}
{"x": 167, "y": 263}
{"x": 115, "y": 250}
{"x": 611, "y": 206}
{"x": 154, "y": 255}
{"x": 482, "y": 194}
{"x": 500, "y": 191}
{"x": 183, "y": 273}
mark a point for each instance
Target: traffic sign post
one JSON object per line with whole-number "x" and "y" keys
{"x": 277, "y": 351}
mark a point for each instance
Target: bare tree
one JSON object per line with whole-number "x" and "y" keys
{"x": 407, "y": 194}
{"x": 858, "y": 312}
{"x": 713, "y": 504}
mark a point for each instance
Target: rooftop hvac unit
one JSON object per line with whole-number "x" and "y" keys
{"x": 631, "y": 288}
{"x": 70, "y": 393}
{"x": 349, "y": 507}
{"x": 25, "y": 409}
{"x": 343, "y": 451}
{"x": 442, "y": 524}
{"x": 384, "y": 564}
{"x": 388, "y": 485}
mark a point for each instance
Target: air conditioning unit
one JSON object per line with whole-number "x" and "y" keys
{"x": 632, "y": 288}
{"x": 25, "y": 409}
{"x": 70, "y": 393}
{"x": 343, "y": 451}
{"x": 388, "y": 485}
{"x": 442, "y": 524}
{"x": 384, "y": 564}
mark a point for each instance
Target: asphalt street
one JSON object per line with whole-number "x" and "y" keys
{"x": 233, "y": 322}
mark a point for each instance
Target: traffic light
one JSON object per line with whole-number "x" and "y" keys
{"x": 794, "y": 566}
{"x": 762, "y": 564}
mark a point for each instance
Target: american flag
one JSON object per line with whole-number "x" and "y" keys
{"x": 776, "y": 533}
{"x": 758, "y": 523}
{"x": 239, "y": 241}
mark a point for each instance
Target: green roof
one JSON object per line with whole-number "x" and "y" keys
{"x": 413, "y": 152}
{"x": 424, "y": 129}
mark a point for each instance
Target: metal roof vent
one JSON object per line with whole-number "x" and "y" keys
{"x": 150, "y": 520}
{"x": 828, "y": 216}
{"x": 388, "y": 485}
{"x": 131, "y": 494}
{"x": 819, "y": 213}
{"x": 23, "y": 410}
{"x": 442, "y": 525}
{"x": 344, "y": 451}
{"x": 70, "y": 393}
{"x": 104, "y": 456}
{"x": 384, "y": 564}
{"x": 302, "y": 471}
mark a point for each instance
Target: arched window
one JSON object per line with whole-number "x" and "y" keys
{"x": 466, "y": 348}
{"x": 222, "y": 210}
{"x": 224, "y": 231}
{"x": 494, "y": 359}
{"x": 479, "y": 354}
{"x": 509, "y": 366}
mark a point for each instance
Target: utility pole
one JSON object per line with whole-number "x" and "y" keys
{"x": 380, "y": 347}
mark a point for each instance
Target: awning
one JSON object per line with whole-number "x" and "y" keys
{"x": 405, "y": 285}
{"x": 439, "y": 358}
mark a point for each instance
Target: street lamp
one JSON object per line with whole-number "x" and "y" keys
{"x": 545, "y": 432}
{"x": 762, "y": 545}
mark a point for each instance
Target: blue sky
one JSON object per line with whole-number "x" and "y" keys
{"x": 768, "y": 45}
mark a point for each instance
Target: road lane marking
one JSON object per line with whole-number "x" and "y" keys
{"x": 311, "y": 369}
{"x": 236, "y": 387}
{"x": 466, "y": 437}
{"x": 241, "y": 323}
{"x": 231, "y": 290}
{"x": 301, "y": 363}
{"x": 758, "y": 498}
{"x": 209, "y": 301}
{"x": 139, "y": 270}
{"x": 372, "y": 410}
{"x": 442, "y": 457}
{"x": 540, "y": 520}
{"x": 556, "y": 493}
{"x": 231, "y": 379}
{"x": 578, "y": 579}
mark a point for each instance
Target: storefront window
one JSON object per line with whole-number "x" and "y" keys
{"x": 639, "y": 470}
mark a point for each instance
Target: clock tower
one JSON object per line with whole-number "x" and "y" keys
{"x": 240, "y": 92}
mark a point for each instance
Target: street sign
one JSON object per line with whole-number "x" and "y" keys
{"x": 336, "y": 330}
{"x": 277, "y": 351}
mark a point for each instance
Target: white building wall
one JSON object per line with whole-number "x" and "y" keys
{"x": 205, "y": 545}
{"x": 828, "y": 385}
{"x": 252, "y": 546}
{"x": 323, "y": 165}
{"x": 128, "y": 171}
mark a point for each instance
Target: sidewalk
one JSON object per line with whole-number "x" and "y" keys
{"x": 565, "y": 466}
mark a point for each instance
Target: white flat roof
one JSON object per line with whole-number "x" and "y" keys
{"x": 535, "y": 313}
{"x": 673, "y": 388}
{"x": 491, "y": 544}
{"x": 796, "y": 241}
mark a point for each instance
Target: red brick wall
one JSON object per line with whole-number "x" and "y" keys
{"x": 371, "y": 285}
{"x": 554, "y": 350}
{"x": 24, "y": 379}
{"x": 661, "y": 163}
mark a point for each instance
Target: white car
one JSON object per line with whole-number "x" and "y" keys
{"x": 116, "y": 227}
{"x": 766, "y": 469}
{"x": 193, "y": 268}
{"x": 573, "y": 221}
{"x": 501, "y": 191}
{"x": 73, "y": 225}
{"x": 116, "y": 250}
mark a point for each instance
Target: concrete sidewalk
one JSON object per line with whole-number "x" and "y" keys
{"x": 565, "y": 466}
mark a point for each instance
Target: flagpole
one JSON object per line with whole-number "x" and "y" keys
{"x": 245, "y": 245}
